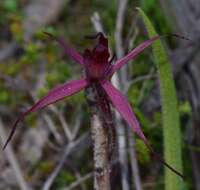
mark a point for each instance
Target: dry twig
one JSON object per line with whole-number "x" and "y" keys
{"x": 78, "y": 182}
{"x": 119, "y": 84}
{"x": 71, "y": 147}
{"x": 13, "y": 160}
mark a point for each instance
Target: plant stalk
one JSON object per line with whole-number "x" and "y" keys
{"x": 102, "y": 131}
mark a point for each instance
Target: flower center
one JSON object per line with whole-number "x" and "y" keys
{"x": 96, "y": 60}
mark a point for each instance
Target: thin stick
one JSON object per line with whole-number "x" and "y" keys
{"x": 72, "y": 145}
{"x": 120, "y": 82}
{"x": 79, "y": 181}
{"x": 13, "y": 160}
{"x": 96, "y": 21}
{"x": 134, "y": 163}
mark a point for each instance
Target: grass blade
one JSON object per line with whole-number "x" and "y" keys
{"x": 170, "y": 114}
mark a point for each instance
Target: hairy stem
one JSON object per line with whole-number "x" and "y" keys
{"x": 102, "y": 135}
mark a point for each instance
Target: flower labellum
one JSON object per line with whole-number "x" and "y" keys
{"x": 99, "y": 70}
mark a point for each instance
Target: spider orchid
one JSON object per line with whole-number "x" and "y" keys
{"x": 98, "y": 70}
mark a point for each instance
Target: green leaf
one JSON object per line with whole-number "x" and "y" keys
{"x": 170, "y": 114}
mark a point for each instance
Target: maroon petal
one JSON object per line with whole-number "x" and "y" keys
{"x": 53, "y": 96}
{"x": 121, "y": 104}
{"x": 119, "y": 63}
{"x": 68, "y": 50}
{"x": 123, "y": 107}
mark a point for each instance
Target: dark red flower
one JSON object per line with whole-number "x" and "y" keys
{"x": 99, "y": 70}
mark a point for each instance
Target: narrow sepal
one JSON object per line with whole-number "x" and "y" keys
{"x": 131, "y": 55}
{"x": 53, "y": 96}
{"x": 72, "y": 53}
{"x": 120, "y": 102}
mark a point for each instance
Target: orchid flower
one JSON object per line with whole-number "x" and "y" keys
{"x": 98, "y": 70}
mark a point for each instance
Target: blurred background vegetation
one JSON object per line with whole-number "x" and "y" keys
{"x": 31, "y": 64}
